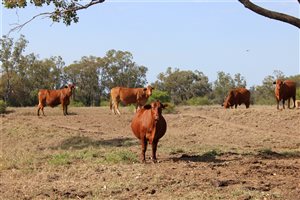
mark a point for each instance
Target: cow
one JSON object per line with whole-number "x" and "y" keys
{"x": 55, "y": 97}
{"x": 284, "y": 90}
{"x": 138, "y": 96}
{"x": 237, "y": 97}
{"x": 148, "y": 125}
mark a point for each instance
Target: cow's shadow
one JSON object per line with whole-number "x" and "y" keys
{"x": 210, "y": 156}
{"x": 81, "y": 142}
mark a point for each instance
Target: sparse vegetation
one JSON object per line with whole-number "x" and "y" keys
{"x": 207, "y": 153}
{"x": 2, "y": 106}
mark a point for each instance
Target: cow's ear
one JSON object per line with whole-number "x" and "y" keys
{"x": 147, "y": 107}
{"x": 145, "y": 89}
{"x": 274, "y": 82}
{"x": 66, "y": 86}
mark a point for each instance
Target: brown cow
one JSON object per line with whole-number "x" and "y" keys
{"x": 139, "y": 96}
{"x": 55, "y": 97}
{"x": 237, "y": 97}
{"x": 285, "y": 90}
{"x": 148, "y": 124}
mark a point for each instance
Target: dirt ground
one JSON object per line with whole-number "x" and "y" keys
{"x": 207, "y": 153}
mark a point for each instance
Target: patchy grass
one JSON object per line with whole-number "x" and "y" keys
{"x": 120, "y": 156}
{"x": 60, "y": 159}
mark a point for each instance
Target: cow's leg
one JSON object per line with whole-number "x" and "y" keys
{"x": 38, "y": 111}
{"x": 247, "y": 104}
{"x": 289, "y": 103}
{"x": 66, "y": 106}
{"x": 235, "y": 106}
{"x": 277, "y": 104}
{"x": 117, "y": 108}
{"x": 112, "y": 107}
{"x": 144, "y": 149}
{"x": 41, "y": 107}
{"x": 294, "y": 100}
{"x": 283, "y": 104}
{"x": 64, "y": 109}
{"x": 154, "y": 148}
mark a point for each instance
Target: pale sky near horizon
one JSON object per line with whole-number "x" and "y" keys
{"x": 208, "y": 36}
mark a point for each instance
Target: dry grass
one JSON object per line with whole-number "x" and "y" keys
{"x": 207, "y": 153}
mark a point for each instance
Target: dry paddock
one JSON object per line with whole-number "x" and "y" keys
{"x": 207, "y": 153}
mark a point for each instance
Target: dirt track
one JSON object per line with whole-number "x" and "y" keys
{"x": 207, "y": 153}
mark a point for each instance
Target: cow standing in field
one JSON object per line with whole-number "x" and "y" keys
{"x": 148, "y": 124}
{"x": 237, "y": 97}
{"x": 285, "y": 90}
{"x": 55, "y": 97}
{"x": 138, "y": 96}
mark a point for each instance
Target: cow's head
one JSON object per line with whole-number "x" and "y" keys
{"x": 156, "y": 109}
{"x": 229, "y": 100}
{"x": 278, "y": 87}
{"x": 70, "y": 87}
{"x": 148, "y": 90}
{"x": 278, "y": 84}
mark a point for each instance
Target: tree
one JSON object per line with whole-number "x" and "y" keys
{"x": 264, "y": 94}
{"x": 22, "y": 75}
{"x": 12, "y": 62}
{"x": 67, "y": 10}
{"x": 183, "y": 85}
{"x": 120, "y": 70}
{"x": 84, "y": 74}
{"x": 221, "y": 87}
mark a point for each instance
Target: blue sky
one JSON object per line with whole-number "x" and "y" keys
{"x": 208, "y": 36}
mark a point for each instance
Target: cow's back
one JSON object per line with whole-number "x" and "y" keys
{"x": 50, "y": 97}
{"x": 289, "y": 89}
{"x": 243, "y": 95}
{"x": 128, "y": 95}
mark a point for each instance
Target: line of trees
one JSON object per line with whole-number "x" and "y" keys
{"x": 23, "y": 75}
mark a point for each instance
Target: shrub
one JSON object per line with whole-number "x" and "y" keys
{"x": 162, "y": 96}
{"x": 2, "y": 106}
{"x": 170, "y": 108}
{"x": 298, "y": 93}
{"x": 104, "y": 103}
{"x": 197, "y": 101}
{"x": 76, "y": 103}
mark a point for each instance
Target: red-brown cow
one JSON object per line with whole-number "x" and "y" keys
{"x": 237, "y": 97}
{"x": 148, "y": 124}
{"x": 285, "y": 90}
{"x": 55, "y": 97}
{"x": 138, "y": 96}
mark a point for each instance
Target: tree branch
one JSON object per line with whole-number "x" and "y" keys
{"x": 65, "y": 13}
{"x": 271, "y": 14}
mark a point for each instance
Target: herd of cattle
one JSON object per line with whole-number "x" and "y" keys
{"x": 148, "y": 124}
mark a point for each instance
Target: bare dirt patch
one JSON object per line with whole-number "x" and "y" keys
{"x": 207, "y": 153}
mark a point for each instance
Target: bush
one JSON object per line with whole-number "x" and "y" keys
{"x": 162, "y": 96}
{"x": 104, "y": 103}
{"x": 170, "y": 108}
{"x": 2, "y": 106}
{"x": 298, "y": 93}
{"x": 197, "y": 101}
{"x": 76, "y": 103}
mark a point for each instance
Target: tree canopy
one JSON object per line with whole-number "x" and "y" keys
{"x": 23, "y": 75}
